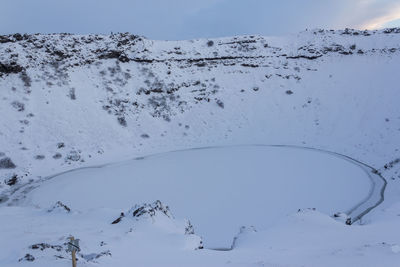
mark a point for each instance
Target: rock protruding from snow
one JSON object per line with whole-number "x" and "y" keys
{"x": 342, "y": 217}
{"x": 160, "y": 216}
{"x": 43, "y": 246}
{"x": 150, "y": 210}
{"x": 146, "y": 211}
{"x": 243, "y": 230}
{"x": 6, "y": 163}
{"x": 45, "y": 251}
{"x": 59, "y": 206}
{"x": 28, "y": 257}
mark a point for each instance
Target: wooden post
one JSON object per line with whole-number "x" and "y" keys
{"x": 73, "y": 253}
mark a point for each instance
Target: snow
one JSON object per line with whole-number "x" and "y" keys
{"x": 218, "y": 189}
{"x": 140, "y": 99}
{"x": 306, "y": 238}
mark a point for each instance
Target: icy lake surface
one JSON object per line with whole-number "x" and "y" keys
{"x": 217, "y": 189}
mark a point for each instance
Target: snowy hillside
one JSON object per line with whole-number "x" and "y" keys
{"x": 73, "y": 101}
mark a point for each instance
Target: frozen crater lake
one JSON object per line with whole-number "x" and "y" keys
{"x": 218, "y": 189}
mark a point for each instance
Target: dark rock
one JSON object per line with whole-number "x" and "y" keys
{"x": 13, "y": 67}
{"x": 250, "y": 65}
{"x": 201, "y": 64}
{"x": 189, "y": 229}
{"x": 18, "y": 105}
{"x": 201, "y": 245}
{"x": 60, "y": 55}
{"x": 220, "y": 103}
{"x": 346, "y": 53}
{"x": 18, "y": 37}
{"x": 43, "y": 246}
{"x": 375, "y": 171}
{"x": 60, "y": 206}
{"x": 391, "y": 164}
{"x": 28, "y": 257}
{"x": 72, "y": 94}
{"x": 289, "y": 92}
{"x": 40, "y": 157}
{"x": 392, "y": 30}
{"x": 115, "y": 54}
{"x": 305, "y": 57}
{"x": 150, "y": 210}
{"x": 57, "y": 156}
{"x": 119, "y": 218}
{"x": 25, "y": 79}
{"x": 6, "y": 163}
{"x": 347, "y": 31}
{"x": 12, "y": 181}
{"x": 144, "y": 210}
{"x": 73, "y": 156}
{"x": 5, "y": 39}
{"x": 122, "y": 121}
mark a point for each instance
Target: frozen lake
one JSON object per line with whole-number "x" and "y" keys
{"x": 218, "y": 189}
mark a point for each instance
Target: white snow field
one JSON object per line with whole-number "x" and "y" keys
{"x": 91, "y": 120}
{"x": 218, "y": 189}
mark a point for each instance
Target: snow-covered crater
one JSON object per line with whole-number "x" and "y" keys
{"x": 218, "y": 189}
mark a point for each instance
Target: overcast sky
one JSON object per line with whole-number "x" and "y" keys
{"x": 187, "y": 19}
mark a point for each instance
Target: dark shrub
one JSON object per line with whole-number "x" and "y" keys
{"x": 289, "y": 92}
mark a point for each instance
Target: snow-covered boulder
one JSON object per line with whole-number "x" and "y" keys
{"x": 158, "y": 217}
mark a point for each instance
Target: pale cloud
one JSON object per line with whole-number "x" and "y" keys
{"x": 186, "y": 19}
{"x": 381, "y": 21}
{"x": 369, "y": 14}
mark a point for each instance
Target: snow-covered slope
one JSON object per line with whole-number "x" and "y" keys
{"x": 69, "y": 101}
